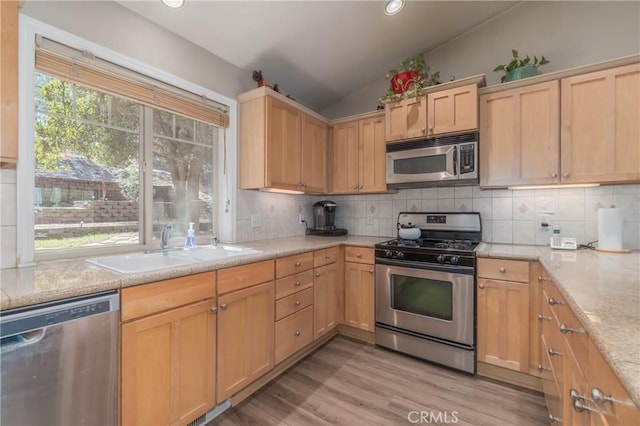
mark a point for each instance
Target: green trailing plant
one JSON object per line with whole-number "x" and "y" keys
{"x": 422, "y": 78}
{"x": 517, "y": 62}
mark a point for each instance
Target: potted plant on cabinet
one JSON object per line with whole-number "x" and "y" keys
{"x": 517, "y": 68}
{"x": 408, "y": 80}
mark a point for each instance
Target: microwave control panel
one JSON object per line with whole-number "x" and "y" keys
{"x": 467, "y": 158}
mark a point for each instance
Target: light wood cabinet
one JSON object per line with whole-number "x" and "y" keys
{"x": 406, "y": 119}
{"x": 359, "y": 153}
{"x": 8, "y": 83}
{"x": 293, "y": 333}
{"x": 168, "y": 357}
{"x": 600, "y": 136}
{"x": 282, "y": 146}
{"x": 325, "y": 300}
{"x": 452, "y": 110}
{"x": 503, "y": 314}
{"x": 519, "y": 129}
{"x": 246, "y": 315}
{"x": 359, "y": 290}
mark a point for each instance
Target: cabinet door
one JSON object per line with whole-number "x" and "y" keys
{"x": 168, "y": 366}
{"x": 313, "y": 153}
{"x": 373, "y": 168}
{"x": 8, "y": 82}
{"x": 520, "y": 131}
{"x": 600, "y": 128}
{"x": 345, "y": 158}
{"x": 245, "y": 337}
{"x": 453, "y": 110}
{"x": 406, "y": 119}
{"x": 325, "y": 300}
{"x": 283, "y": 146}
{"x": 359, "y": 296}
{"x": 503, "y": 324}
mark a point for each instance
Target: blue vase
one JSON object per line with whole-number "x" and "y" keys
{"x": 522, "y": 72}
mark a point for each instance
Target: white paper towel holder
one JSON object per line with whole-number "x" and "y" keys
{"x": 611, "y": 250}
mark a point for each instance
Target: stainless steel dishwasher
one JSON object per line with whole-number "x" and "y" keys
{"x": 59, "y": 363}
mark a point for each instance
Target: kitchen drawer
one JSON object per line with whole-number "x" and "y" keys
{"x": 294, "y": 264}
{"x": 293, "y": 283}
{"x": 500, "y": 269}
{"x": 325, "y": 257}
{"x": 160, "y": 296}
{"x": 293, "y": 303}
{"x": 239, "y": 277}
{"x": 359, "y": 255}
{"x": 293, "y": 333}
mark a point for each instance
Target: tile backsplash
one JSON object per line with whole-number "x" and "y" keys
{"x": 8, "y": 218}
{"x": 508, "y": 216}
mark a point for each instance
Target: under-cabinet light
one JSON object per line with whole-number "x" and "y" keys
{"x": 393, "y": 6}
{"x": 173, "y": 3}
{"x": 281, "y": 191}
{"x": 561, "y": 186}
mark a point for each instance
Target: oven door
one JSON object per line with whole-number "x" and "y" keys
{"x": 436, "y": 303}
{"x": 422, "y": 164}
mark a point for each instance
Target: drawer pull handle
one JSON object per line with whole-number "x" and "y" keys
{"x": 542, "y": 317}
{"x": 564, "y": 329}
{"x": 223, "y": 306}
{"x": 599, "y": 397}
{"x": 327, "y": 256}
{"x": 553, "y": 419}
{"x": 371, "y": 271}
{"x": 543, "y": 368}
{"x": 553, "y": 352}
{"x": 297, "y": 264}
{"x": 297, "y": 333}
{"x": 553, "y": 301}
{"x": 574, "y": 394}
{"x": 214, "y": 309}
{"x": 297, "y": 283}
{"x": 358, "y": 255}
{"x": 541, "y": 278}
{"x": 297, "y": 303}
{"x": 481, "y": 286}
{"x": 317, "y": 274}
{"x": 503, "y": 270}
{"x": 579, "y": 406}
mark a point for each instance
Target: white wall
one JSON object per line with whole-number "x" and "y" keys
{"x": 568, "y": 33}
{"x": 508, "y": 216}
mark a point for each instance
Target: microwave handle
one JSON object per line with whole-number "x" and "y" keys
{"x": 455, "y": 161}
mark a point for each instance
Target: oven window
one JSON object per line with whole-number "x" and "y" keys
{"x": 420, "y": 165}
{"x": 422, "y": 296}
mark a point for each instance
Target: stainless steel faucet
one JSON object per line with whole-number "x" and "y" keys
{"x": 165, "y": 234}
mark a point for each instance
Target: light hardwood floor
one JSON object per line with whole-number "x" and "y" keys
{"x": 351, "y": 383}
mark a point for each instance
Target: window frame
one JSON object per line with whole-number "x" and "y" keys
{"x": 224, "y": 186}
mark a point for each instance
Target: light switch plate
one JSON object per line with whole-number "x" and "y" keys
{"x": 256, "y": 220}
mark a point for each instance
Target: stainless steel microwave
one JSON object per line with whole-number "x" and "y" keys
{"x": 449, "y": 160}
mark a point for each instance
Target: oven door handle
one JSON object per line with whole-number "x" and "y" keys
{"x": 464, "y": 270}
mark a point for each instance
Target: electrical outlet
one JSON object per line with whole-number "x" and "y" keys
{"x": 544, "y": 223}
{"x": 256, "y": 220}
{"x": 300, "y": 219}
{"x": 370, "y": 219}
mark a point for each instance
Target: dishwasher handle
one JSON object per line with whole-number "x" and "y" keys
{"x": 39, "y": 317}
{"x": 18, "y": 341}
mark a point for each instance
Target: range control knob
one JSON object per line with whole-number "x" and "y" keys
{"x": 440, "y": 258}
{"x": 399, "y": 254}
{"x": 388, "y": 253}
{"x": 455, "y": 260}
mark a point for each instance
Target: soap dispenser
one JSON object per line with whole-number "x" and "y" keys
{"x": 191, "y": 238}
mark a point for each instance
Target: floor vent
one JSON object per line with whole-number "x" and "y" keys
{"x": 212, "y": 414}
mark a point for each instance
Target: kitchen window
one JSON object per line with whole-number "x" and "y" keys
{"x": 117, "y": 155}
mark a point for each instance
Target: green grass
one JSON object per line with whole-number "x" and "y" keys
{"x": 102, "y": 239}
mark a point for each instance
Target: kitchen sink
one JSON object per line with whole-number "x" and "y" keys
{"x": 133, "y": 263}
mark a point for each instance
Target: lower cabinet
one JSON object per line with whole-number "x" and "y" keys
{"x": 168, "y": 351}
{"x": 293, "y": 333}
{"x": 503, "y": 313}
{"x": 359, "y": 289}
{"x": 245, "y": 349}
{"x": 325, "y": 299}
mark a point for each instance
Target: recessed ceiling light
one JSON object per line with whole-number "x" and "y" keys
{"x": 393, "y": 6}
{"x": 173, "y": 3}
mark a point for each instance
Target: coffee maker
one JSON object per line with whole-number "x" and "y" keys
{"x": 324, "y": 216}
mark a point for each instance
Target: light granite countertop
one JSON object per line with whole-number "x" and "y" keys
{"x": 603, "y": 290}
{"x": 56, "y": 280}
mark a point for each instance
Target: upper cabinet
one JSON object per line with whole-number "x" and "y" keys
{"x": 8, "y": 83}
{"x": 600, "y": 136}
{"x": 580, "y": 129}
{"x": 519, "y": 132}
{"x": 443, "y": 109}
{"x": 358, "y": 148}
{"x": 282, "y": 145}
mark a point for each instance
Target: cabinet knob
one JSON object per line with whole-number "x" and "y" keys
{"x": 481, "y": 286}
{"x": 214, "y": 309}
{"x": 223, "y": 306}
{"x": 297, "y": 283}
{"x": 542, "y": 317}
{"x": 355, "y": 187}
{"x": 327, "y": 256}
{"x": 541, "y": 279}
{"x": 430, "y": 129}
{"x": 299, "y": 184}
{"x": 503, "y": 270}
{"x": 566, "y": 174}
{"x": 553, "y": 301}
{"x": 297, "y": 303}
{"x": 304, "y": 185}
{"x": 297, "y": 333}
{"x": 542, "y": 368}
{"x": 360, "y": 187}
{"x": 317, "y": 274}
{"x": 553, "y": 419}
{"x": 297, "y": 264}
{"x": 423, "y": 130}
{"x": 358, "y": 255}
{"x": 554, "y": 175}
{"x": 564, "y": 329}
{"x": 599, "y": 397}
{"x": 553, "y": 352}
